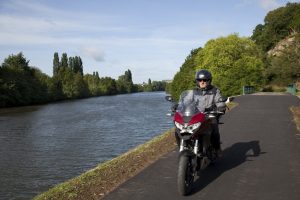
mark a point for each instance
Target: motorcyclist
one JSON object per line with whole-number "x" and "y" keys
{"x": 207, "y": 98}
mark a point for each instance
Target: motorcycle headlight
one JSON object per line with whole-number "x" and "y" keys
{"x": 194, "y": 126}
{"x": 178, "y": 125}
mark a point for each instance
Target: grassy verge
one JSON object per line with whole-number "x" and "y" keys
{"x": 296, "y": 112}
{"x": 98, "y": 182}
{"x": 231, "y": 104}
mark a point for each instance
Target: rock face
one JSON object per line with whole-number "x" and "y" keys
{"x": 289, "y": 40}
{"x": 292, "y": 41}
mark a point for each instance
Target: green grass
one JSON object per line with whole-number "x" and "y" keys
{"x": 296, "y": 113}
{"x": 232, "y": 104}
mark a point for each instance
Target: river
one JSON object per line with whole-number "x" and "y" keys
{"x": 41, "y": 146}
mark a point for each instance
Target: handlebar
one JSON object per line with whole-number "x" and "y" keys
{"x": 214, "y": 112}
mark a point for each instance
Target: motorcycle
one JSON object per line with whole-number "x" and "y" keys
{"x": 195, "y": 150}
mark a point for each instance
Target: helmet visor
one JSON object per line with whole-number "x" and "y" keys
{"x": 202, "y": 80}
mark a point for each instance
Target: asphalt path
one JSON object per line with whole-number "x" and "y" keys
{"x": 261, "y": 158}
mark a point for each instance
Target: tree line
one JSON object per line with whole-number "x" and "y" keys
{"x": 22, "y": 84}
{"x": 238, "y": 61}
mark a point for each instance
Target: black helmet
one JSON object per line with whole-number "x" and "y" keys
{"x": 203, "y": 74}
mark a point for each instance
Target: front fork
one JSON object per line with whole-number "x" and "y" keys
{"x": 199, "y": 160}
{"x": 196, "y": 146}
{"x": 181, "y": 147}
{"x": 194, "y": 155}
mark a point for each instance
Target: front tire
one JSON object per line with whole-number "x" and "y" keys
{"x": 185, "y": 176}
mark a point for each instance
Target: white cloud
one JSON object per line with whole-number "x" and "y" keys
{"x": 33, "y": 17}
{"x": 269, "y": 4}
{"x": 57, "y": 27}
{"x": 40, "y": 10}
{"x": 32, "y": 23}
{"x": 23, "y": 6}
{"x": 244, "y": 3}
{"x": 97, "y": 54}
{"x": 25, "y": 23}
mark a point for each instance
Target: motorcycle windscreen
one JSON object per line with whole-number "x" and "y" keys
{"x": 187, "y": 111}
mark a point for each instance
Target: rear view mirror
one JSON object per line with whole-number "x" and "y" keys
{"x": 223, "y": 99}
{"x": 169, "y": 98}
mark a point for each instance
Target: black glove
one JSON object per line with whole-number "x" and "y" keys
{"x": 174, "y": 107}
{"x": 221, "y": 109}
{"x": 211, "y": 108}
{"x": 207, "y": 110}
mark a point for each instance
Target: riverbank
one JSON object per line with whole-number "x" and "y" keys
{"x": 96, "y": 183}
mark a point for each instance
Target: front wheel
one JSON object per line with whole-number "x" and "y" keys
{"x": 185, "y": 175}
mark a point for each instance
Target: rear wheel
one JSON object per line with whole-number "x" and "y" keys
{"x": 185, "y": 175}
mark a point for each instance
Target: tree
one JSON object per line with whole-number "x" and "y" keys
{"x": 15, "y": 88}
{"x": 55, "y": 64}
{"x": 285, "y": 66}
{"x": 54, "y": 86}
{"x": 184, "y": 79}
{"x": 158, "y": 85}
{"x": 93, "y": 83}
{"x": 121, "y": 85}
{"x": 81, "y": 88}
{"x": 71, "y": 63}
{"x": 18, "y": 62}
{"x": 77, "y": 65}
{"x": 124, "y": 83}
{"x": 20, "y": 83}
{"x": 148, "y": 87}
{"x": 128, "y": 76}
{"x": 234, "y": 62}
{"x": 64, "y": 61}
{"x": 108, "y": 86}
{"x": 73, "y": 85}
{"x": 279, "y": 23}
{"x": 69, "y": 78}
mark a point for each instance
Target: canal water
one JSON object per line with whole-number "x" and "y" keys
{"x": 41, "y": 146}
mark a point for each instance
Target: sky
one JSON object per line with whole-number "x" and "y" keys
{"x": 152, "y": 38}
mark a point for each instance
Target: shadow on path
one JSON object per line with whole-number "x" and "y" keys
{"x": 232, "y": 157}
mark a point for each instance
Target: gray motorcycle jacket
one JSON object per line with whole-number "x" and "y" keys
{"x": 204, "y": 99}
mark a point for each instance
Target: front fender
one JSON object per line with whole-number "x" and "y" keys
{"x": 187, "y": 153}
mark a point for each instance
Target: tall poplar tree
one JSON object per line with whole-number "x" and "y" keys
{"x": 64, "y": 61}
{"x": 71, "y": 63}
{"x": 55, "y": 64}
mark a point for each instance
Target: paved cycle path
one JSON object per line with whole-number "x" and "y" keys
{"x": 261, "y": 158}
